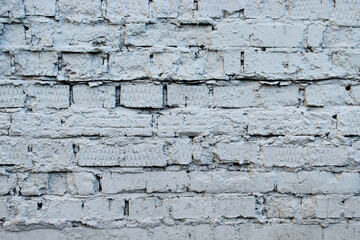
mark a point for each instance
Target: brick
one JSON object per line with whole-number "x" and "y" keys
{"x": 309, "y": 10}
{"x": 181, "y": 152}
{"x": 263, "y": 35}
{"x": 234, "y": 206}
{"x": 297, "y": 156}
{"x": 149, "y": 182}
{"x": 80, "y": 37}
{"x": 108, "y": 123}
{"x": 12, "y": 8}
{"x": 281, "y": 207}
{"x": 318, "y": 182}
{"x": 83, "y": 183}
{"x": 320, "y": 207}
{"x": 4, "y": 123}
{"x": 191, "y": 207}
{"x": 116, "y": 11}
{"x": 80, "y": 10}
{"x": 352, "y": 207}
{"x": 202, "y": 155}
{"x": 40, "y": 8}
{"x": 96, "y": 97}
{"x": 235, "y": 96}
{"x": 241, "y": 152}
{"x": 36, "y": 63}
{"x": 34, "y": 184}
{"x": 258, "y": 9}
{"x": 15, "y": 152}
{"x": 96, "y": 233}
{"x": 42, "y": 34}
{"x": 11, "y": 96}
{"x": 200, "y": 231}
{"x": 97, "y": 155}
{"x": 12, "y": 35}
{"x": 33, "y": 234}
{"x": 342, "y": 231}
{"x": 46, "y": 96}
{"x": 57, "y": 183}
{"x": 355, "y": 94}
{"x": 293, "y": 121}
{"x": 346, "y": 11}
{"x": 145, "y": 155}
{"x": 315, "y": 35}
{"x": 8, "y": 184}
{"x": 4, "y": 210}
{"x": 80, "y": 66}
{"x": 221, "y": 181}
{"x": 148, "y": 208}
{"x": 130, "y": 65}
{"x": 280, "y": 231}
{"x": 232, "y": 62}
{"x": 205, "y": 122}
{"x": 141, "y": 96}
{"x": 339, "y": 37}
{"x": 278, "y": 96}
{"x": 167, "y": 34}
{"x": 183, "y": 96}
{"x": 208, "y": 8}
{"x": 348, "y": 122}
{"x": 322, "y": 95}
{"x": 165, "y": 9}
{"x": 4, "y": 64}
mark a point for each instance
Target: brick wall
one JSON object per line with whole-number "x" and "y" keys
{"x": 182, "y": 119}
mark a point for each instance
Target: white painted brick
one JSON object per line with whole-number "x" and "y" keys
{"x": 222, "y": 181}
{"x": 181, "y": 96}
{"x": 280, "y": 231}
{"x": 130, "y": 65}
{"x": 12, "y": 35}
{"x": 235, "y": 96}
{"x": 100, "y": 155}
{"x": 148, "y": 208}
{"x": 209, "y": 8}
{"x": 292, "y": 121}
{"x": 352, "y": 207}
{"x": 8, "y": 183}
{"x": 116, "y": 11}
{"x": 83, "y": 36}
{"x": 12, "y": 8}
{"x": 317, "y": 182}
{"x": 320, "y": 207}
{"x": 342, "y": 231}
{"x": 355, "y": 94}
{"x": 309, "y": 9}
{"x": 297, "y": 156}
{"x": 346, "y": 11}
{"x": 96, "y": 233}
{"x": 141, "y": 96}
{"x": 4, "y": 123}
{"x": 46, "y": 96}
{"x": 80, "y": 10}
{"x": 259, "y": 9}
{"x": 40, "y": 7}
{"x": 11, "y": 96}
{"x": 34, "y": 184}
{"x": 241, "y": 152}
{"x": 4, "y": 64}
{"x": 348, "y": 122}
{"x": 15, "y": 152}
{"x": 191, "y": 207}
{"x": 321, "y": 95}
{"x": 57, "y": 183}
{"x": 36, "y": 63}
{"x": 232, "y": 62}
{"x": 281, "y": 207}
{"x": 150, "y": 182}
{"x": 33, "y": 234}
{"x": 80, "y": 65}
{"x": 98, "y": 97}
{"x": 181, "y": 152}
{"x": 81, "y": 183}
{"x": 233, "y": 206}
{"x": 274, "y": 96}
{"x": 315, "y": 34}
{"x": 145, "y": 155}
{"x": 202, "y": 155}
{"x": 165, "y": 9}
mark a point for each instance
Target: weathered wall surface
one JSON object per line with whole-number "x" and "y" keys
{"x": 181, "y": 119}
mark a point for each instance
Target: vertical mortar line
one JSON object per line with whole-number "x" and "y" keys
{"x": 117, "y": 96}
{"x": 126, "y": 208}
{"x": 165, "y": 96}
{"x": 71, "y": 97}
{"x": 242, "y": 61}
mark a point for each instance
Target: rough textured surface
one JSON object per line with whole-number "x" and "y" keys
{"x": 181, "y": 119}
